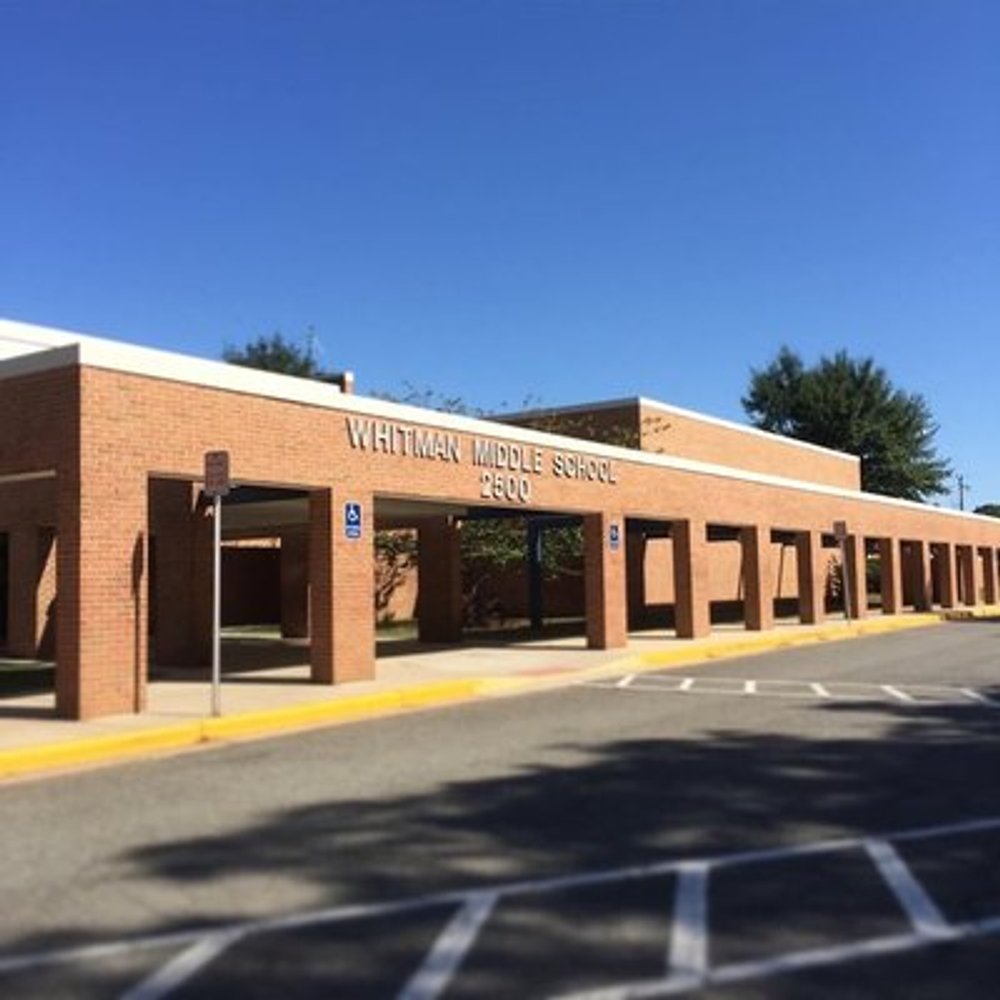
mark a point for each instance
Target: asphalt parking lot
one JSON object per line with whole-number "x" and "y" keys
{"x": 818, "y": 822}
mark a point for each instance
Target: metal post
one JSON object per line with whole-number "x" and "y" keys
{"x": 217, "y": 605}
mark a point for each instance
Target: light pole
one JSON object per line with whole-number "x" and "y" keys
{"x": 963, "y": 488}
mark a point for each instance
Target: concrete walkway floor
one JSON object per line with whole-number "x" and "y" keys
{"x": 269, "y": 691}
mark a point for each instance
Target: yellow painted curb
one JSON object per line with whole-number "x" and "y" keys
{"x": 117, "y": 746}
{"x": 768, "y": 642}
{"x": 178, "y": 736}
{"x": 969, "y": 614}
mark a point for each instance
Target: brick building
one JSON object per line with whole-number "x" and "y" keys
{"x": 105, "y": 538}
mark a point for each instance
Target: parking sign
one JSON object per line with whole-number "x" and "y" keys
{"x": 614, "y": 537}
{"x": 352, "y": 519}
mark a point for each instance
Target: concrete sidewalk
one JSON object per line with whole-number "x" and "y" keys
{"x": 275, "y": 695}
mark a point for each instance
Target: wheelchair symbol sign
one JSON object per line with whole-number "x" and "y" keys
{"x": 614, "y": 537}
{"x": 352, "y": 519}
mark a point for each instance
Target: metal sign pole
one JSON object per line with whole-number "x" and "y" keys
{"x": 217, "y": 605}
{"x": 217, "y": 485}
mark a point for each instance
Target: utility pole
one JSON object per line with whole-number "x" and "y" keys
{"x": 963, "y": 488}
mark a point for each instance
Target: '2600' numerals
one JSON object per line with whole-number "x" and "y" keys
{"x": 504, "y": 486}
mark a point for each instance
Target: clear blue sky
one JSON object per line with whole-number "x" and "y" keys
{"x": 503, "y": 199}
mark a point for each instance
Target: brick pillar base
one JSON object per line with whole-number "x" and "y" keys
{"x": 691, "y": 609}
{"x": 101, "y": 628}
{"x": 342, "y": 592}
{"x": 978, "y": 582}
{"x": 966, "y": 556}
{"x": 892, "y": 576}
{"x": 923, "y": 583}
{"x": 944, "y": 567}
{"x": 758, "y": 574}
{"x": 990, "y": 575}
{"x": 812, "y": 577}
{"x": 604, "y": 581}
{"x": 856, "y": 576}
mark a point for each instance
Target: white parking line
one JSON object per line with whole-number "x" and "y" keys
{"x": 922, "y": 911}
{"x": 896, "y": 693}
{"x": 916, "y": 695}
{"x": 688, "y": 953}
{"x": 688, "y": 948}
{"x": 450, "y": 949}
{"x": 170, "y": 977}
{"x": 978, "y": 696}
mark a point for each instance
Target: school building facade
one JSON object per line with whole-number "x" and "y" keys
{"x": 106, "y": 537}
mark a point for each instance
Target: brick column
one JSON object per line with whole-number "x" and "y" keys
{"x": 604, "y": 581}
{"x": 977, "y": 575}
{"x": 892, "y": 576}
{"x": 635, "y": 569}
{"x": 944, "y": 568}
{"x": 342, "y": 591}
{"x": 990, "y": 575}
{"x": 854, "y": 572}
{"x": 439, "y": 579}
{"x": 31, "y": 625}
{"x": 966, "y": 555}
{"x": 101, "y": 647}
{"x": 923, "y": 584}
{"x": 295, "y": 584}
{"x": 758, "y": 576}
{"x": 691, "y": 561}
{"x": 812, "y": 577}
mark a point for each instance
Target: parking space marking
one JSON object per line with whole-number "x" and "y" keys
{"x": 450, "y": 949}
{"x": 922, "y": 911}
{"x": 912, "y": 695}
{"x": 95, "y": 952}
{"x": 688, "y": 955}
{"x": 183, "y": 967}
{"x": 896, "y": 693}
{"x": 687, "y": 964}
{"x": 979, "y": 696}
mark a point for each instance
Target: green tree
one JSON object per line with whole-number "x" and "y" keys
{"x": 989, "y": 509}
{"x": 851, "y": 405}
{"x": 275, "y": 353}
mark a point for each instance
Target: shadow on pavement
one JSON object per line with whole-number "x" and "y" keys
{"x": 633, "y": 800}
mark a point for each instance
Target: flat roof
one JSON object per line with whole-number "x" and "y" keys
{"x": 66, "y": 349}
{"x": 655, "y": 404}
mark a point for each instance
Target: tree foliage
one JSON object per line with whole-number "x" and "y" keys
{"x": 275, "y": 353}
{"x": 851, "y": 405}
{"x": 989, "y": 509}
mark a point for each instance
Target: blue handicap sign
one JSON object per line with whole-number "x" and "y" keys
{"x": 614, "y": 536}
{"x": 352, "y": 519}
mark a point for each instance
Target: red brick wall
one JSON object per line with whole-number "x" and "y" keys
{"x": 671, "y": 433}
{"x": 136, "y": 426}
